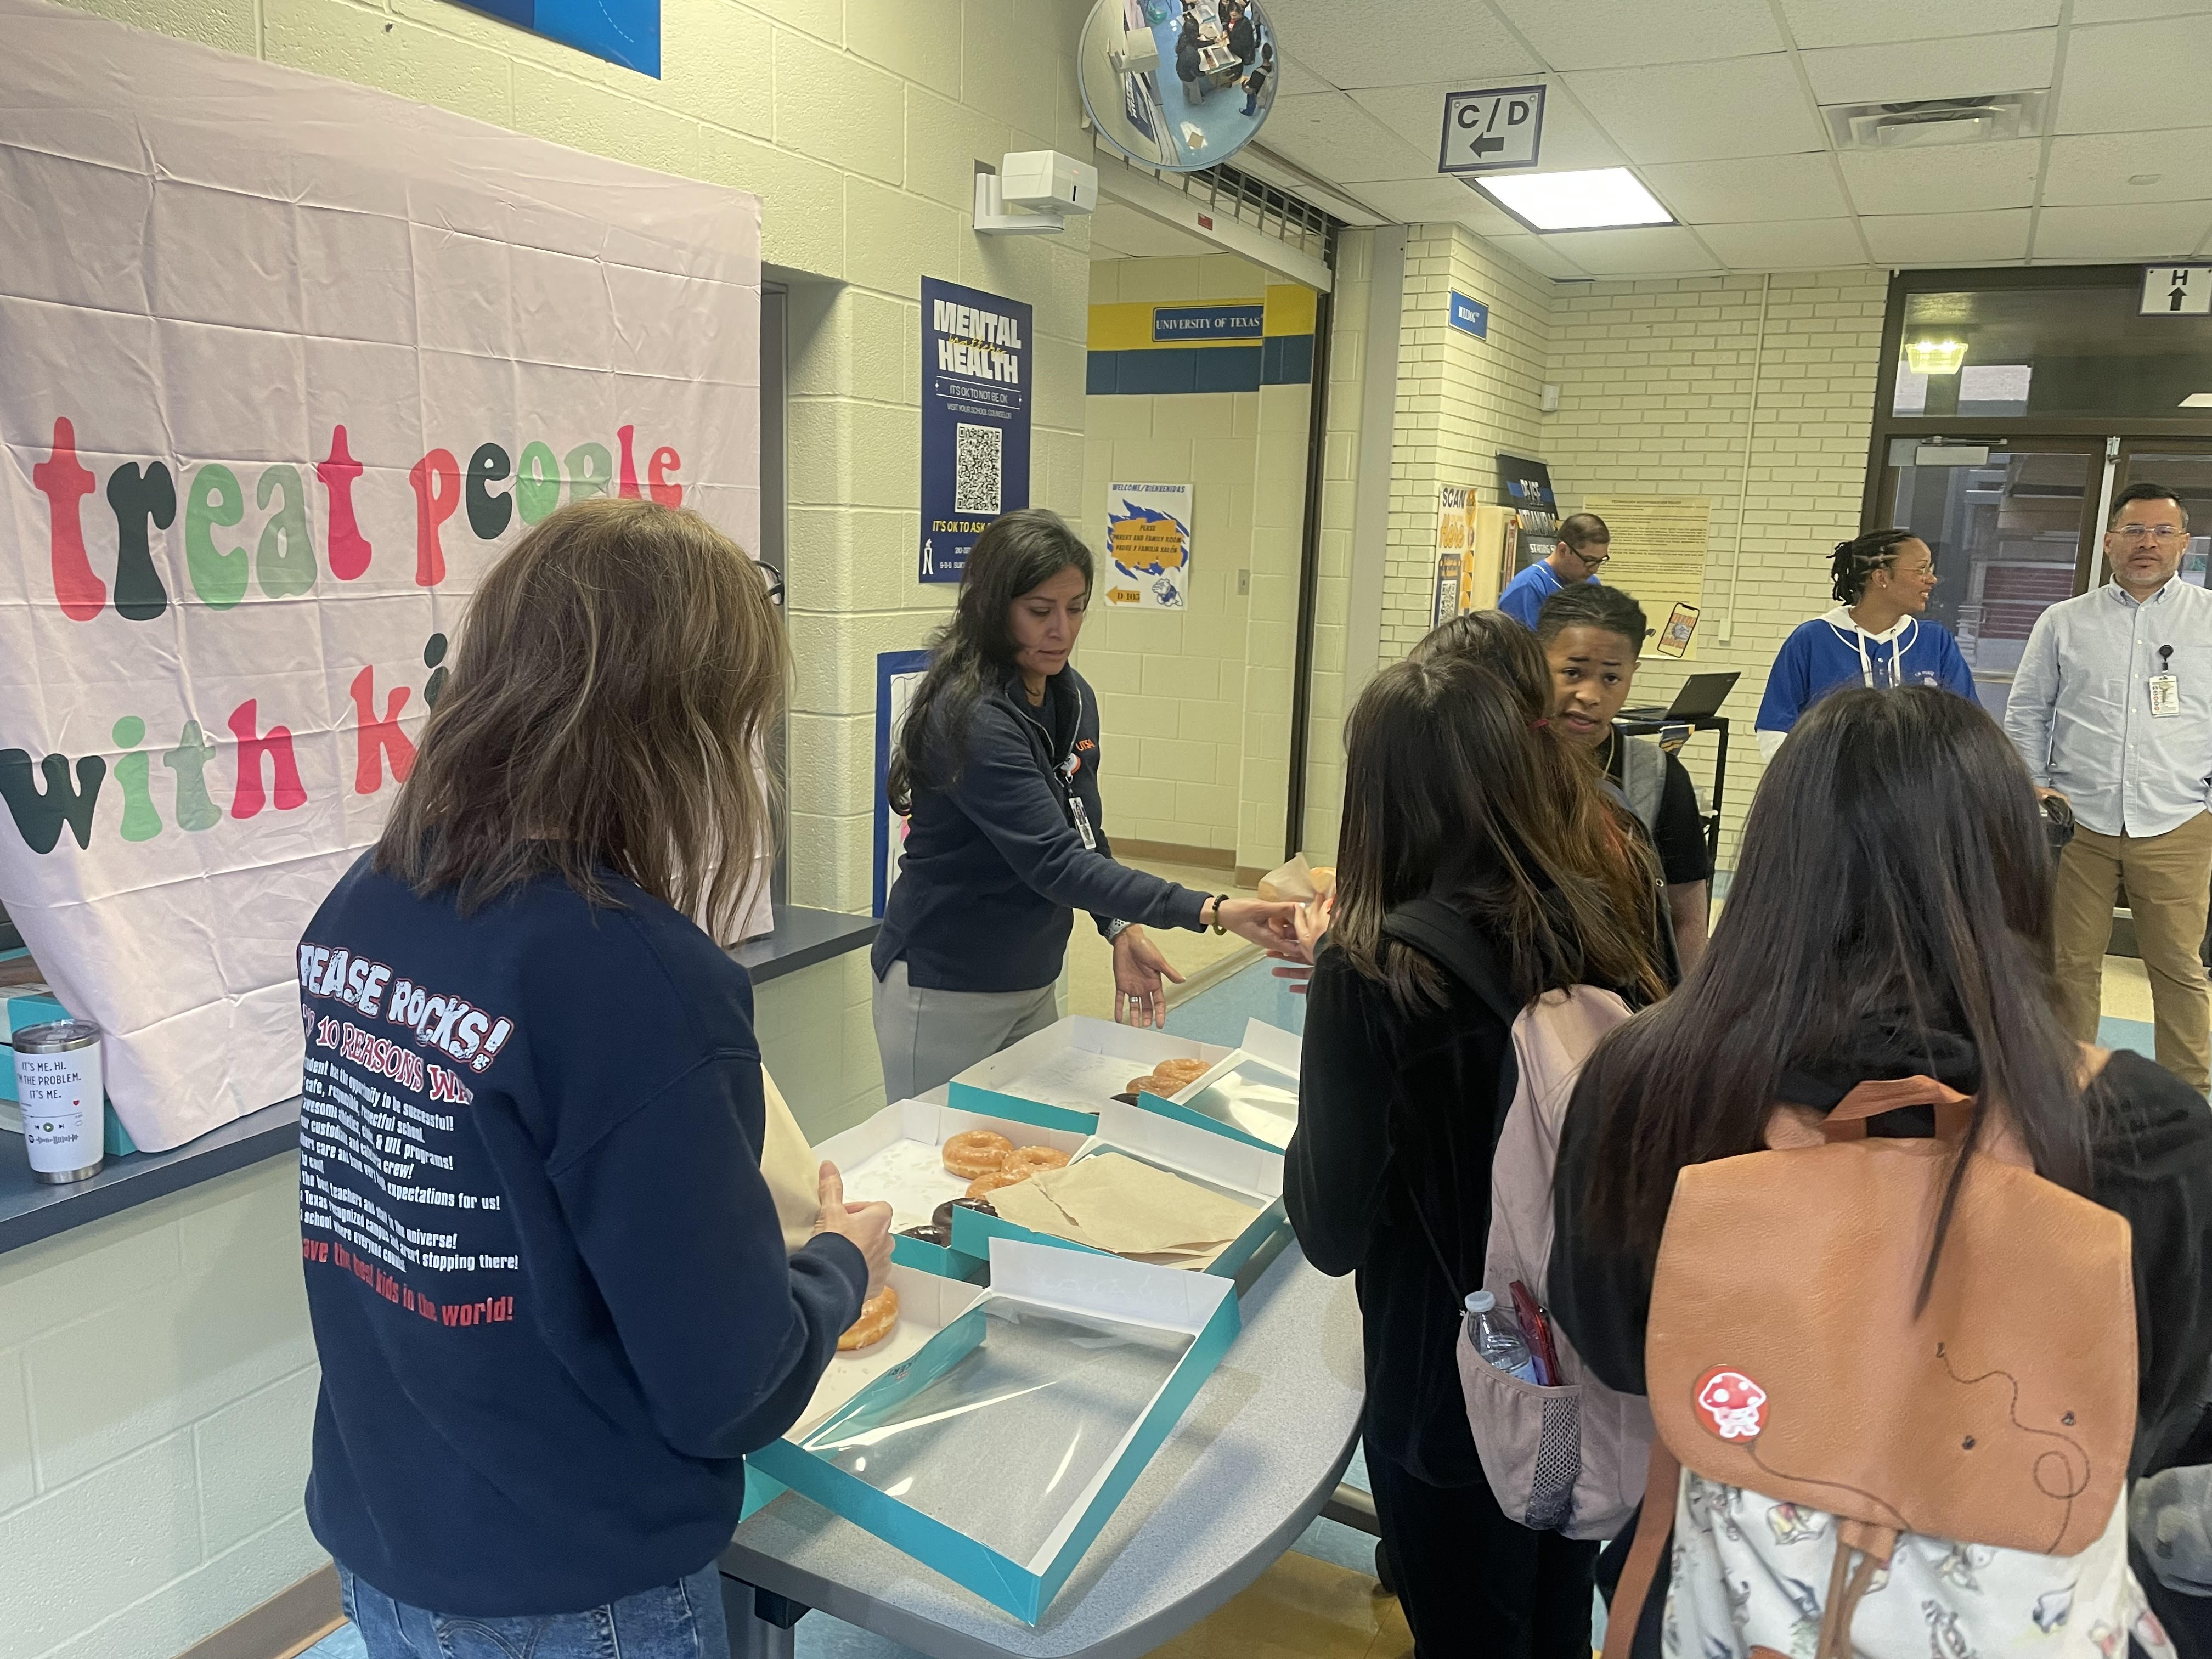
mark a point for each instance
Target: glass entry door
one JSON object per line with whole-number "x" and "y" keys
{"x": 2185, "y": 465}
{"x": 2010, "y": 522}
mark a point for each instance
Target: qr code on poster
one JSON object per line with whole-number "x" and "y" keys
{"x": 975, "y": 469}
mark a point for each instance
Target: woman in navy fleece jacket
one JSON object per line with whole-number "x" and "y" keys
{"x": 997, "y": 767}
{"x": 548, "y": 1283}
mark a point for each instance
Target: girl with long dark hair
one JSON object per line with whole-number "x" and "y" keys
{"x": 1890, "y": 916}
{"x": 1455, "y": 791}
{"x": 997, "y": 768}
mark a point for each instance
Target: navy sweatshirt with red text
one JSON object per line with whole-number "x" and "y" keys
{"x": 548, "y": 1284}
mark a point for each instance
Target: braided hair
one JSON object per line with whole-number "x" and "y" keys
{"x": 1854, "y": 562}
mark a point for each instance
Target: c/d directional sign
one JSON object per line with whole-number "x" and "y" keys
{"x": 1501, "y": 127}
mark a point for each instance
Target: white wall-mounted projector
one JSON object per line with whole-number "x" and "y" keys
{"x": 1048, "y": 188}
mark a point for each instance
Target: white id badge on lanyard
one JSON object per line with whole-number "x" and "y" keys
{"x": 2165, "y": 697}
{"x": 1082, "y": 821}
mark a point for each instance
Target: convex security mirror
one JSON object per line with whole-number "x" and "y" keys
{"x": 1178, "y": 84}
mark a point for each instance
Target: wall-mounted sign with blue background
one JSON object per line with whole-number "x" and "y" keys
{"x": 976, "y": 358}
{"x": 1470, "y": 316}
{"x": 625, "y": 32}
{"x": 1234, "y": 322}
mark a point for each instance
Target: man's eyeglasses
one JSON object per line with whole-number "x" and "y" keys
{"x": 1593, "y": 555}
{"x": 2162, "y": 534}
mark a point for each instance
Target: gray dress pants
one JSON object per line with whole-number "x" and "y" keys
{"x": 928, "y": 1038}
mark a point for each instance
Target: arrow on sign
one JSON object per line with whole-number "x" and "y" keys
{"x": 1490, "y": 146}
{"x": 2173, "y": 300}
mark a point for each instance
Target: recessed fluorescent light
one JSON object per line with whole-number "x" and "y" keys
{"x": 1596, "y": 198}
{"x": 2198, "y": 400}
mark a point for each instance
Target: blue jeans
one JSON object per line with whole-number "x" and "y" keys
{"x": 683, "y": 1620}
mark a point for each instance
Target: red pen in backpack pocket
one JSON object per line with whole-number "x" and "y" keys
{"x": 1537, "y": 1329}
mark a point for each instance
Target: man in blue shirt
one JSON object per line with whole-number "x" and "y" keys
{"x": 1583, "y": 546}
{"x": 2112, "y": 709}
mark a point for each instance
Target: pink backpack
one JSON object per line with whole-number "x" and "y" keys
{"x": 1571, "y": 1458}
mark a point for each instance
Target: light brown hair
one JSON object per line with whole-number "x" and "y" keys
{"x": 617, "y": 675}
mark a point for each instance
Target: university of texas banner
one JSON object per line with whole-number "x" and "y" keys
{"x": 284, "y": 365}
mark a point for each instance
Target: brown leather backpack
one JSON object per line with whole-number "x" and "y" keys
{"x": 1788, "y": 1354}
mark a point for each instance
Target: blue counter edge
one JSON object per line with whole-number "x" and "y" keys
{"x": 30, "y": 1214}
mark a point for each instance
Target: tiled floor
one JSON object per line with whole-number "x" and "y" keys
{"x": 1320, "y": 1601}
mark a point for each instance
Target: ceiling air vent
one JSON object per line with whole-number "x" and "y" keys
{"x": 1927, "y": 122}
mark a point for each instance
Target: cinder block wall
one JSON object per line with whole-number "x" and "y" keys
{"x": 157, "y": 1388}
{"x": 131, "y": 1532}
{"x": 1656, "y": 397}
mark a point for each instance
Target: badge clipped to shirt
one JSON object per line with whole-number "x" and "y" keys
{"x": 1082, "y": 821}
{"x": 2165, "y": 688}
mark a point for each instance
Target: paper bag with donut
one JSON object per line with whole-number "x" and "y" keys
{"x": 1118, "y": 1204}
{"x": 1297, "y": 882}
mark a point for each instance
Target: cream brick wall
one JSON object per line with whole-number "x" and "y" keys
{"x": 1655, "y": 393}
{"x": 129, "y": 1535}
{"x": 1195, "y": 707}
{"x": 1460, "y": 400}
{"x": 157, "y": 1390}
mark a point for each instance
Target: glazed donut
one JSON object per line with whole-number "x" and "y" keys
{"x": 990, "y": 1179}
{"x": 981, "y": 1206}
{"x": 976, "y": 1152}
{"x": 878, "y": 1315}
{"x": 1032, "y": 1160}
{"x": 1170, "y": 1077}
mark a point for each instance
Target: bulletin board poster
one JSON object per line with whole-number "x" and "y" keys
{"x": 1455, "y": 519}
{"x": 1148, "y": 546}
{"x": 1525, "y": 485}
{"x": 625, "y": 32}
{"x": 975, "y": 381}
{"x": 1660, "y": 544}
{"x": 289, "y": 364}
{"x": 898, "y": 674}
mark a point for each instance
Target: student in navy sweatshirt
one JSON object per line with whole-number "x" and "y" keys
{"x": 997, "y": 767}
{"x": 1876, "y": 636}
{"x": 548, "y": 1288}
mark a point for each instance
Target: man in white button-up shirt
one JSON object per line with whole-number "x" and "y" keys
{"x": 2112, "y": 709}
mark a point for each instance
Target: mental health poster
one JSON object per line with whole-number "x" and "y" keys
{"x": 975, "y": 361}
{"x": 1148, "y": 546}
{"x": 289, "y": 364}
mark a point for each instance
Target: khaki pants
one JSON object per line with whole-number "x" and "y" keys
{"x": 2169, "y": 882}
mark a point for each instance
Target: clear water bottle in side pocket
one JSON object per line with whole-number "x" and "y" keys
{"x": 1497, "y": 1339}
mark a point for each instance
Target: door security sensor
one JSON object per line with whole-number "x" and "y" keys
{"x": 1050, "y": 188}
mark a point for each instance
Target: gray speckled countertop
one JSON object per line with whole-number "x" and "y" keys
{"x": 1259, "y": 1451}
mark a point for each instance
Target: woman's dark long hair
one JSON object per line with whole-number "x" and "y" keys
{"x": 1453, "y": 789}
{"x": 973, "y": 652}
{"x": 1893, "y": 873}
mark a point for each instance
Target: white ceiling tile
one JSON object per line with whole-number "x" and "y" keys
{"x": 2135, "y": 77}
{"x": 1662, "y": 250}
{"x": 1381, "y": 43}
{"x": 1947, "y": 239}
{"x": 1538, "y": 254}
{"x": 1754, "y": 188}
{"x": 1949, "y": 179}
{"x": 2092, "y": 169}
{"x": 2017, "y": 62}
{"x": 1787, "y": 245}
{"x": 1703, "y": 112}
{"x": 1432, "y": 201}
{"x": 1873, "y": 22}
{"x": 1416, "y": 113}
{"x": 1331, "y": 138}
{"x": 1296, "y": 77}
{"x": 2171, "y": 230}
{"x": 2115, "y": 11}
{"x": 1619, "y": 33}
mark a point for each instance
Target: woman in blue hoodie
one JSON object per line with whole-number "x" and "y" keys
{"x": 997, "y": 769}
{"x": 1876, "y": 636}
